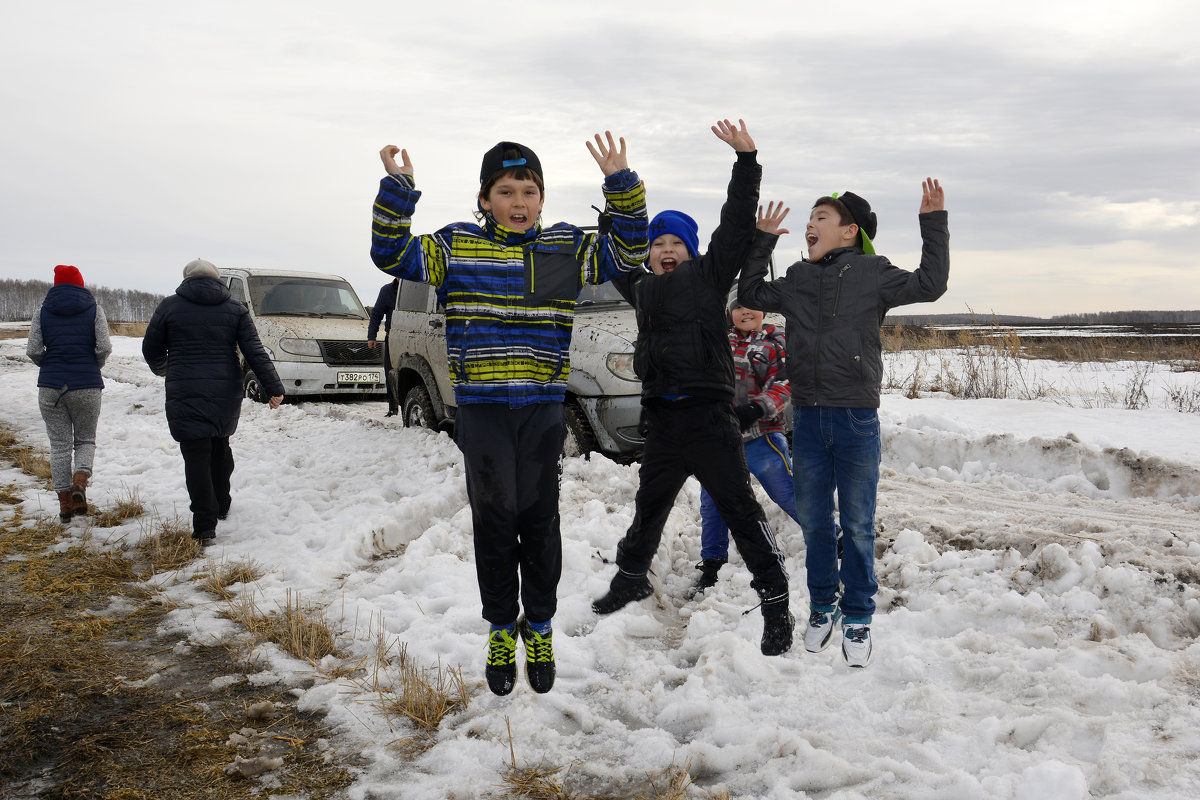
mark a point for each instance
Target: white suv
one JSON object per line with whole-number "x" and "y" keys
{"x": 314, "y": 327}
{"x": 603, "y": 408}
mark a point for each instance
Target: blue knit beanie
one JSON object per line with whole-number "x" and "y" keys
{"x": 679, "y": 224}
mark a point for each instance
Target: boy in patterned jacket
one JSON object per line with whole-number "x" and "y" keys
{"x": 509, "y": 287}
{"x": 762, "y": 398}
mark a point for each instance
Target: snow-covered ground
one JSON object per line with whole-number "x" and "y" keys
{"x": 1039, "y": 568}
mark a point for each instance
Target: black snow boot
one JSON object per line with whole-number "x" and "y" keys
{"x": 778, "y": 624}
{"x": 708, "y": 577}
{"x": 624, "y": 589}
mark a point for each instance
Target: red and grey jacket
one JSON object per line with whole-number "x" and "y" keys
{"x": 760, "y": 376}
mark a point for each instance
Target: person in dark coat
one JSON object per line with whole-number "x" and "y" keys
{"x": 193, "y": 339}
{"x": 382, "y": 311}
{"x": 68, "y": 339}
{"x": 683, "y": 358}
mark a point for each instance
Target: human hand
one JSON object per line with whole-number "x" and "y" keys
{"x": 370, "y": 344}
{"x": 933, "y": 197}
{"x": 275, "y": 401}
{"x": 388, "y": 156}
{"x": 737, "y": 138}
{"x": 748, "y": 414}
{"x": 770, "y": 221}
{"x": 607, "y": 156}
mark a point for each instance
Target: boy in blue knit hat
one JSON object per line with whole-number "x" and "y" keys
{"x": 683, "y": 358}
{"x": 509, "y": 287}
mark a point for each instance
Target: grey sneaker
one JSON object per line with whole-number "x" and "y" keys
{"x": 820, "y": 629}
{"x": 856, "y": 645}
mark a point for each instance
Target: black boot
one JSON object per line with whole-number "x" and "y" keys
{"x": 778, "y": 623}
{"x": 708, "y": 576}
{"x": 624, "y": 589}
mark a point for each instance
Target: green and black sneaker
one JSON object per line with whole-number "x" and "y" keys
{"x": 501, "y": 669}
{"x": 539, "y": 655}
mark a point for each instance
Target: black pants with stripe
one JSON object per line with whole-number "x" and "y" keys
{"x": 701, "y": 438}
{"x": 513, "y": 459}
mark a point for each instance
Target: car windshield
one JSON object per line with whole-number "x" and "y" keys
{"x": 603, "y": 295}
{"x": 304, "y": 297}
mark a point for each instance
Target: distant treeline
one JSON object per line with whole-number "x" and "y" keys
{"x": 19, "y": 299}
{"x": 1096, "y": 318}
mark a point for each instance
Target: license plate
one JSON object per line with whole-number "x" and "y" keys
{"x": 358, "y": 377}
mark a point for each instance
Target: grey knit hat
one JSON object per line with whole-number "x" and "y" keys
{"x": 199, "y": 268}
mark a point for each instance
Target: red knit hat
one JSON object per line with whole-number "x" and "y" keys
{"x": 64, "y": 273}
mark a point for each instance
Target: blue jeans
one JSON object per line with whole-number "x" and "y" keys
{"x": 769, "y": 461}
{"x": 838, "y": 449}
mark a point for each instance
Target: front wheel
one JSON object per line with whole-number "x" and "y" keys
{"x": 252, "y": 388}
{"x": 579, "y": 440}
{"x": 417, "y": 409}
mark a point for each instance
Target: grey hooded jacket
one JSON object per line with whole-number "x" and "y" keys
{"x": 833, "y": 309}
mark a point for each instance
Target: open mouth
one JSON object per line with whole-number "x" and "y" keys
{"x": 518, "y": 219}
{"x": 668, "y": 264}
{"x": 811, "y": 239}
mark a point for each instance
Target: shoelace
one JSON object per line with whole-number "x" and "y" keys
{"x": 501, "y": 651}
{"x": 857, "y": 634}
{"x": 539, "y": 650}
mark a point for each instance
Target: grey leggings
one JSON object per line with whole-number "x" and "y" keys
{"x": 71, "y": 425}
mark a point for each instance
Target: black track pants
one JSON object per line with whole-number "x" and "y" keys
{"x": 513, "y": 459}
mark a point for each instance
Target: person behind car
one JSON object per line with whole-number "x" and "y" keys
{"x": 509, "y": 287}
{"x": 68, "y": 339}
{"x": 761, "y": 398}
{"x": 683, "y": 358}
{"x": 381, "y": 312}
{"x": 193, "y": 339}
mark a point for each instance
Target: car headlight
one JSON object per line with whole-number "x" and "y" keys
{"x": 300, "y": 347}
{"x": 621, "y": 365}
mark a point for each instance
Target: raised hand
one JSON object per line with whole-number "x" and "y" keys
{"x": 737, "y": 138}
{"x": 388, "y": 156}
{"x": 772, "y": 219}
{"x": 933, "y": 197}
{"x": 610, "y": 159}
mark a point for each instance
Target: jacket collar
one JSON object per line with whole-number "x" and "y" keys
{"x": 507, "y": 236}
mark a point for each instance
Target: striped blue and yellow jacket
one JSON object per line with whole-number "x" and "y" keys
{"x": 509, "y": 296}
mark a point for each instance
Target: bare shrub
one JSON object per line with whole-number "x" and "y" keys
{"x": 1184, "y": 399}
{"x": 1136, "y": 395}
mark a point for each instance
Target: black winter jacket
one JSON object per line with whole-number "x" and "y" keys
{"x": 833, "y": 309}
{"x": 683, "y": 346}
{"x": 193, "y": 339}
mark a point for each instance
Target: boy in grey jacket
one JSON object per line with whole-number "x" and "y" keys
{"x": 833, "y": 303}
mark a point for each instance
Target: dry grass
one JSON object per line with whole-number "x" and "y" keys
{"x": 127, "y": 508}
{"x": 1183, "y": 352}
{"x": 171, "y": 547}
{"x": 223, "y": 575}
{"x": 303, "y": 632}
{"x": 540, "y": 783}
{"x": 134, "y": 329}
{"x": 76, "y": 719}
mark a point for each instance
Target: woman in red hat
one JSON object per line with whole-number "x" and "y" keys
{"x": 68, "y": 339}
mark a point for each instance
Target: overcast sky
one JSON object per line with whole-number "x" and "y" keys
{"x": 140, "y": 135}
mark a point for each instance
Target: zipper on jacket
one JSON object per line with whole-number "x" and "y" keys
{"x": 816, "y": 361}
{"x": 837, "y": 295}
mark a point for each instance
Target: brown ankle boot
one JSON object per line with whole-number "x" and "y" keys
{"x": 78, "y": 493}
{"x": 65, "y": 506}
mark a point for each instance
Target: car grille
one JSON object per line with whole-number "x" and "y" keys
{"x": 342, "y": 353}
